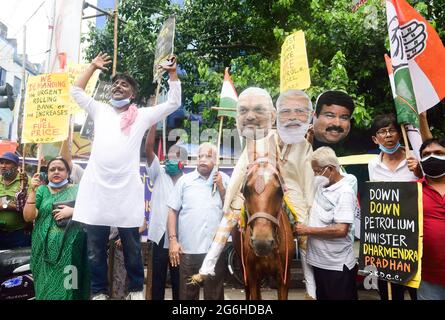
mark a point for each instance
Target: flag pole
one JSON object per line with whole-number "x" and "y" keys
{"x": 405, "y": 140}
{"x": 116, "y": 4}
{"x": 221, "y": 120}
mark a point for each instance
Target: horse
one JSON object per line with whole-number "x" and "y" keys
{"x": 266, "y": 244}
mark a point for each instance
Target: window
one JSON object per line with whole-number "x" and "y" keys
{"x": 17, "y": 83}
{"x": 2, "y": 76}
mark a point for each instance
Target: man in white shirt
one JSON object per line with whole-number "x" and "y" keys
{"x": 163, "y": 179}
{"x": 111, "y": 193}
{"x": 330, "y": 230}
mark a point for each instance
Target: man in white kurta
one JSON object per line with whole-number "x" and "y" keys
{"x": 111, "y": 193}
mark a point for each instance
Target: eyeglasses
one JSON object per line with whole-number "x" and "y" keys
{"x": 384, "y": 132}
{"x": 321, "y": 171}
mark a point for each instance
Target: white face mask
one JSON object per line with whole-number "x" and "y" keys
{"x": 120, "y": 103}
{"x": 320, "y": 181}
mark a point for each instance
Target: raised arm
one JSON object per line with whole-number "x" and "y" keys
{"x": 150, "y": 144}
{"x": 100, "y": 62}
{"x": 424, "y": 127}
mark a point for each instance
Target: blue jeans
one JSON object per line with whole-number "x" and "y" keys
{"x": 430, "y": 291}
{"x": 15, "y": 239}
{"x": 98, "y": 237}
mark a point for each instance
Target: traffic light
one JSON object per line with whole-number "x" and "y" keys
{"x": 8, "y": 94}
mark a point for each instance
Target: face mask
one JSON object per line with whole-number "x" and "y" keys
{"x": 8, "y": 174}
{"x": 210, "y": 179}
{"x": 173, "y": 167}
{"x": 433, "y": 166}
{"x": 58, "y": 185}
{"x": 321, "y": 180}
{"x": 120, "y": 103}
{"x": 389, "y": 151}
{"x": 292, "y": 135}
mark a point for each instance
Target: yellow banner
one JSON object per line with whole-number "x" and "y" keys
{"x": 74, "y": 70}
{"x": 294, "y": 72}
{"x": 46, "y": 115}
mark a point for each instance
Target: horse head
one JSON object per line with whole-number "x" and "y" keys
{"x": 263, "y": 192}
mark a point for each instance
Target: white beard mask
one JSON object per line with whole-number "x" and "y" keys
{"x": 292, "y": 135}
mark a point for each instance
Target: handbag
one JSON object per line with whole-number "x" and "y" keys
{"x": 62, "y": 223}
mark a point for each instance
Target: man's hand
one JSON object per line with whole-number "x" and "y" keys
{"x": 301, "y": 229}
{"x": 414, "y": 166}
{"x": 170, "y": 67}
{"x": 63, "y": 212}
{"x": 101, "y": 60}
{"x": 310, "y": 134}
{"x": 217, "y": 179}
{"x": 174, "y": 250}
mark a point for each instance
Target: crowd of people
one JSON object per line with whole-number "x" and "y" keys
{"x": 66, "y": 217}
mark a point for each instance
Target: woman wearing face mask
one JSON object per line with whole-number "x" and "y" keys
{"x": 432, "y": 285}
{"x": 58, "y": 253}
{"x": 391, "y": 165}
{"x": 331, "y": 230}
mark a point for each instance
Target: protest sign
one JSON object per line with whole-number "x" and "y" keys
{"x": 391, "y": 231}
{"x": 74, "y": 71}
{"x": 294, "y": 67}
{"x": 46, "y": 113}
{"x": 164, "y": 46}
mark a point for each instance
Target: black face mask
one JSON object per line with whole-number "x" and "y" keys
{"x": 433, "y": 166}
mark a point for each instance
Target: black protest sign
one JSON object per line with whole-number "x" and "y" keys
{"x": 164, "y": 46}
{"x": 389, "y": 235}
{"x": 102, "y": 94}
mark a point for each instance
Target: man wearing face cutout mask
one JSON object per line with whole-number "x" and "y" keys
{"x": 432, "y": 285}
{"x": 111, "y": 193}
{"x": 330, "y": 229}
{"x": 163, "y": 180}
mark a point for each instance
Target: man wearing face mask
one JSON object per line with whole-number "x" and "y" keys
{"x": 330, "y": 229}
{"x": 111, "y": 193}
{"x": 392, "y": 165}
{"x": 163, "y": 180}
{"x": 432, "y": 285}
{"x": 13, "y": 228}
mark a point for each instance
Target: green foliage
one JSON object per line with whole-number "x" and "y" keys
{"x": 345, "y": 48}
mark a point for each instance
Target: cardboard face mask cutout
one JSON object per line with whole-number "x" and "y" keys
{"x": 332, "y": 121}
{"x": 255, "y": 113}
{"x": 294, "y": 110}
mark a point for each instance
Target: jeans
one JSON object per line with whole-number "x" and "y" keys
{"x": 430, "y": 291}
{"x": 15, "y": 239}
{"x": 98, "y": 237}
{"x": 161, "y": 263}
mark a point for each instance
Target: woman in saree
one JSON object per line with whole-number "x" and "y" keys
{"x": 59, "y": 253}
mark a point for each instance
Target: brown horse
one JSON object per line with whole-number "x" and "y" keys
{"x": 267, "y": 244}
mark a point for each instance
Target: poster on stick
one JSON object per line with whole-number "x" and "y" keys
{"x": 164, "y": 46}
{"x": 75, "y": 70}
{"x": 391, "y": 231}
{"x": 46, "y": 114}
{"x": 294, "y": 67}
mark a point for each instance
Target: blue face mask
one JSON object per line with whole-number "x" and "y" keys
{"x": 58, "y": 185}
{"x": 120, "y": 103}
{"x": 389, "y": 151}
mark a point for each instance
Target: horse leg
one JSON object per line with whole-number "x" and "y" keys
{"x": 282, "y": 290}
{"x": 254, "y": 287}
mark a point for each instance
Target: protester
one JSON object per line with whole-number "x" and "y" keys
{"x": 111, "y": 193}
{"x": 392, "y": 165}
{"x": 330, "y": 230}
{"x": 332, "y": 121}
{"x": 163, "y": 180}
{"x": 193, "y": 218}
{"x": 14, "y": 231}
{"x": 432, "y": 285}
{"x": 58, "y": 254}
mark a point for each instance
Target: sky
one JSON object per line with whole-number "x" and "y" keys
{"x": 15, "y": 13}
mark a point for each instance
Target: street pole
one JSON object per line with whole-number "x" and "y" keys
{"x": 116, "y": 4}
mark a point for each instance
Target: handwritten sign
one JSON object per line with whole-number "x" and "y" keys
{"x": 75, "y": 70}
{"x": 164, "y": 46}
{"x": 46, "y": 113}
{"x": 294, "y": 70}
{"x": 391, "y": 230}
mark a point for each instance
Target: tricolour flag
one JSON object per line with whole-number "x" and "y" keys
{"x": 228, "y": 98}
{"x": 415, "y": 45}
